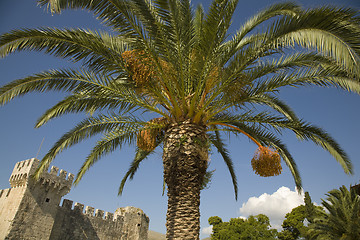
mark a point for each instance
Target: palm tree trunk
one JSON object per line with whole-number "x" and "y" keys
{"x": 185, "y": 161}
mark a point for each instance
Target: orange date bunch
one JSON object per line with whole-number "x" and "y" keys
{"x": 146, "y": 139}
{"x": 266, "y": 162}
{"x": 140, "y": 67}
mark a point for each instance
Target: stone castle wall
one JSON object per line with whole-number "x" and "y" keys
{"x": 30, "y": 210}
{"x": 10, "y": 200}
{"x": 73, "y": 223}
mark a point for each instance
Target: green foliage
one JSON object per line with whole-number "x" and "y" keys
{"x": 214, "y": 220}
{"x": 255, "y": 227}
{"x": 294, "y": 226}
{"x": 207, "y": 179}
{"x": 310, "y": 208}
{"x": 341, "y": 220}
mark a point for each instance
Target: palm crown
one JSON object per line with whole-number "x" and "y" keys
{"x": 341, "y": 218}
{"x": 165, "y": 64}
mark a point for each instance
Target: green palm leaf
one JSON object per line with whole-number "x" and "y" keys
{"x": 341, "y": 219}
{"x": 99, "y": 51}
{"x": 86, "y": 129}
{"x": 218, "y": 143}
{"x": 111, "y": 140}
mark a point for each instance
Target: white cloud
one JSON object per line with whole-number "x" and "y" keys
{"x": 275, "y": 206}
{"x": 207, "y": 230}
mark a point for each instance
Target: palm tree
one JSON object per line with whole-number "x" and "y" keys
{"x": 169, "y": 76}
{"x": 342, "y": 219}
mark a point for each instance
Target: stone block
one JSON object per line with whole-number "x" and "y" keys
{"x": 109, "y": 216}
{"x": 70, "y": 177}
{"x": 89, "y": 211}
{"x": 62, "y": 174}
{"x": 54, "y": 170}
{"x": 78, "y": 207}
{"x": 99, "y": 213}
{"x": 67, "y": 204}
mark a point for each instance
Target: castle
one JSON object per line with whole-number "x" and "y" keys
{"x": 31, "y": 210}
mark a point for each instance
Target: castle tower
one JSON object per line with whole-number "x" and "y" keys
{"x": 28, "y": 208}
{"x": 136, "y": 223}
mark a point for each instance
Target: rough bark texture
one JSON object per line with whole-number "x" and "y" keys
{"x": 185, "y": 161}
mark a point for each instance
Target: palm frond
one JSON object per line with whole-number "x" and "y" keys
{"x": 320, "y": 29}
{"x": 99, "y": 51}
{"x": 286, "y": 63}
{"x": 205, "y": 53}
{"x": 303, "y": 131}
{"x": 59, "y": 80}
{"x": 83, "y": 103}
{"x": 84, "y": 130}
{"x": 219, "y": 144}
{"x": 111, "y": 140}
{"x": 274, "y": 103}
{"x": 140, "y": 155}
{"x": 262, "y": 119}
{"x": 144, "y": 10}
{"x": 116, "y": 14}
{"x": 318, "y": 76}
{"x": 341, "y": 218}
{"x": 239, "y": 41}
{"x": 306, "y": 131}
{"x": 81, "y": 82}
{"x": 268, "y": 139}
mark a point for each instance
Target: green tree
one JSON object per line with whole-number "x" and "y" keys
{"x": 310, "y": 208}
{"x": 295, "y": 226}
{"x": 341, "y": 220}
{"x": 255, "y": 227}
{"x": 167, "y": 75}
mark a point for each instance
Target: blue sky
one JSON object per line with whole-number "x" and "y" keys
{"x": 334, "y": 110}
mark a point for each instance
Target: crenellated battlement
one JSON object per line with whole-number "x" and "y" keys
{"x": 89, "y": 211}
{"x": 22, "y": 171}
{"x": 21, "y": 176}
{"x": 61, "y": 182}
{"x": 62, "y": 176}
